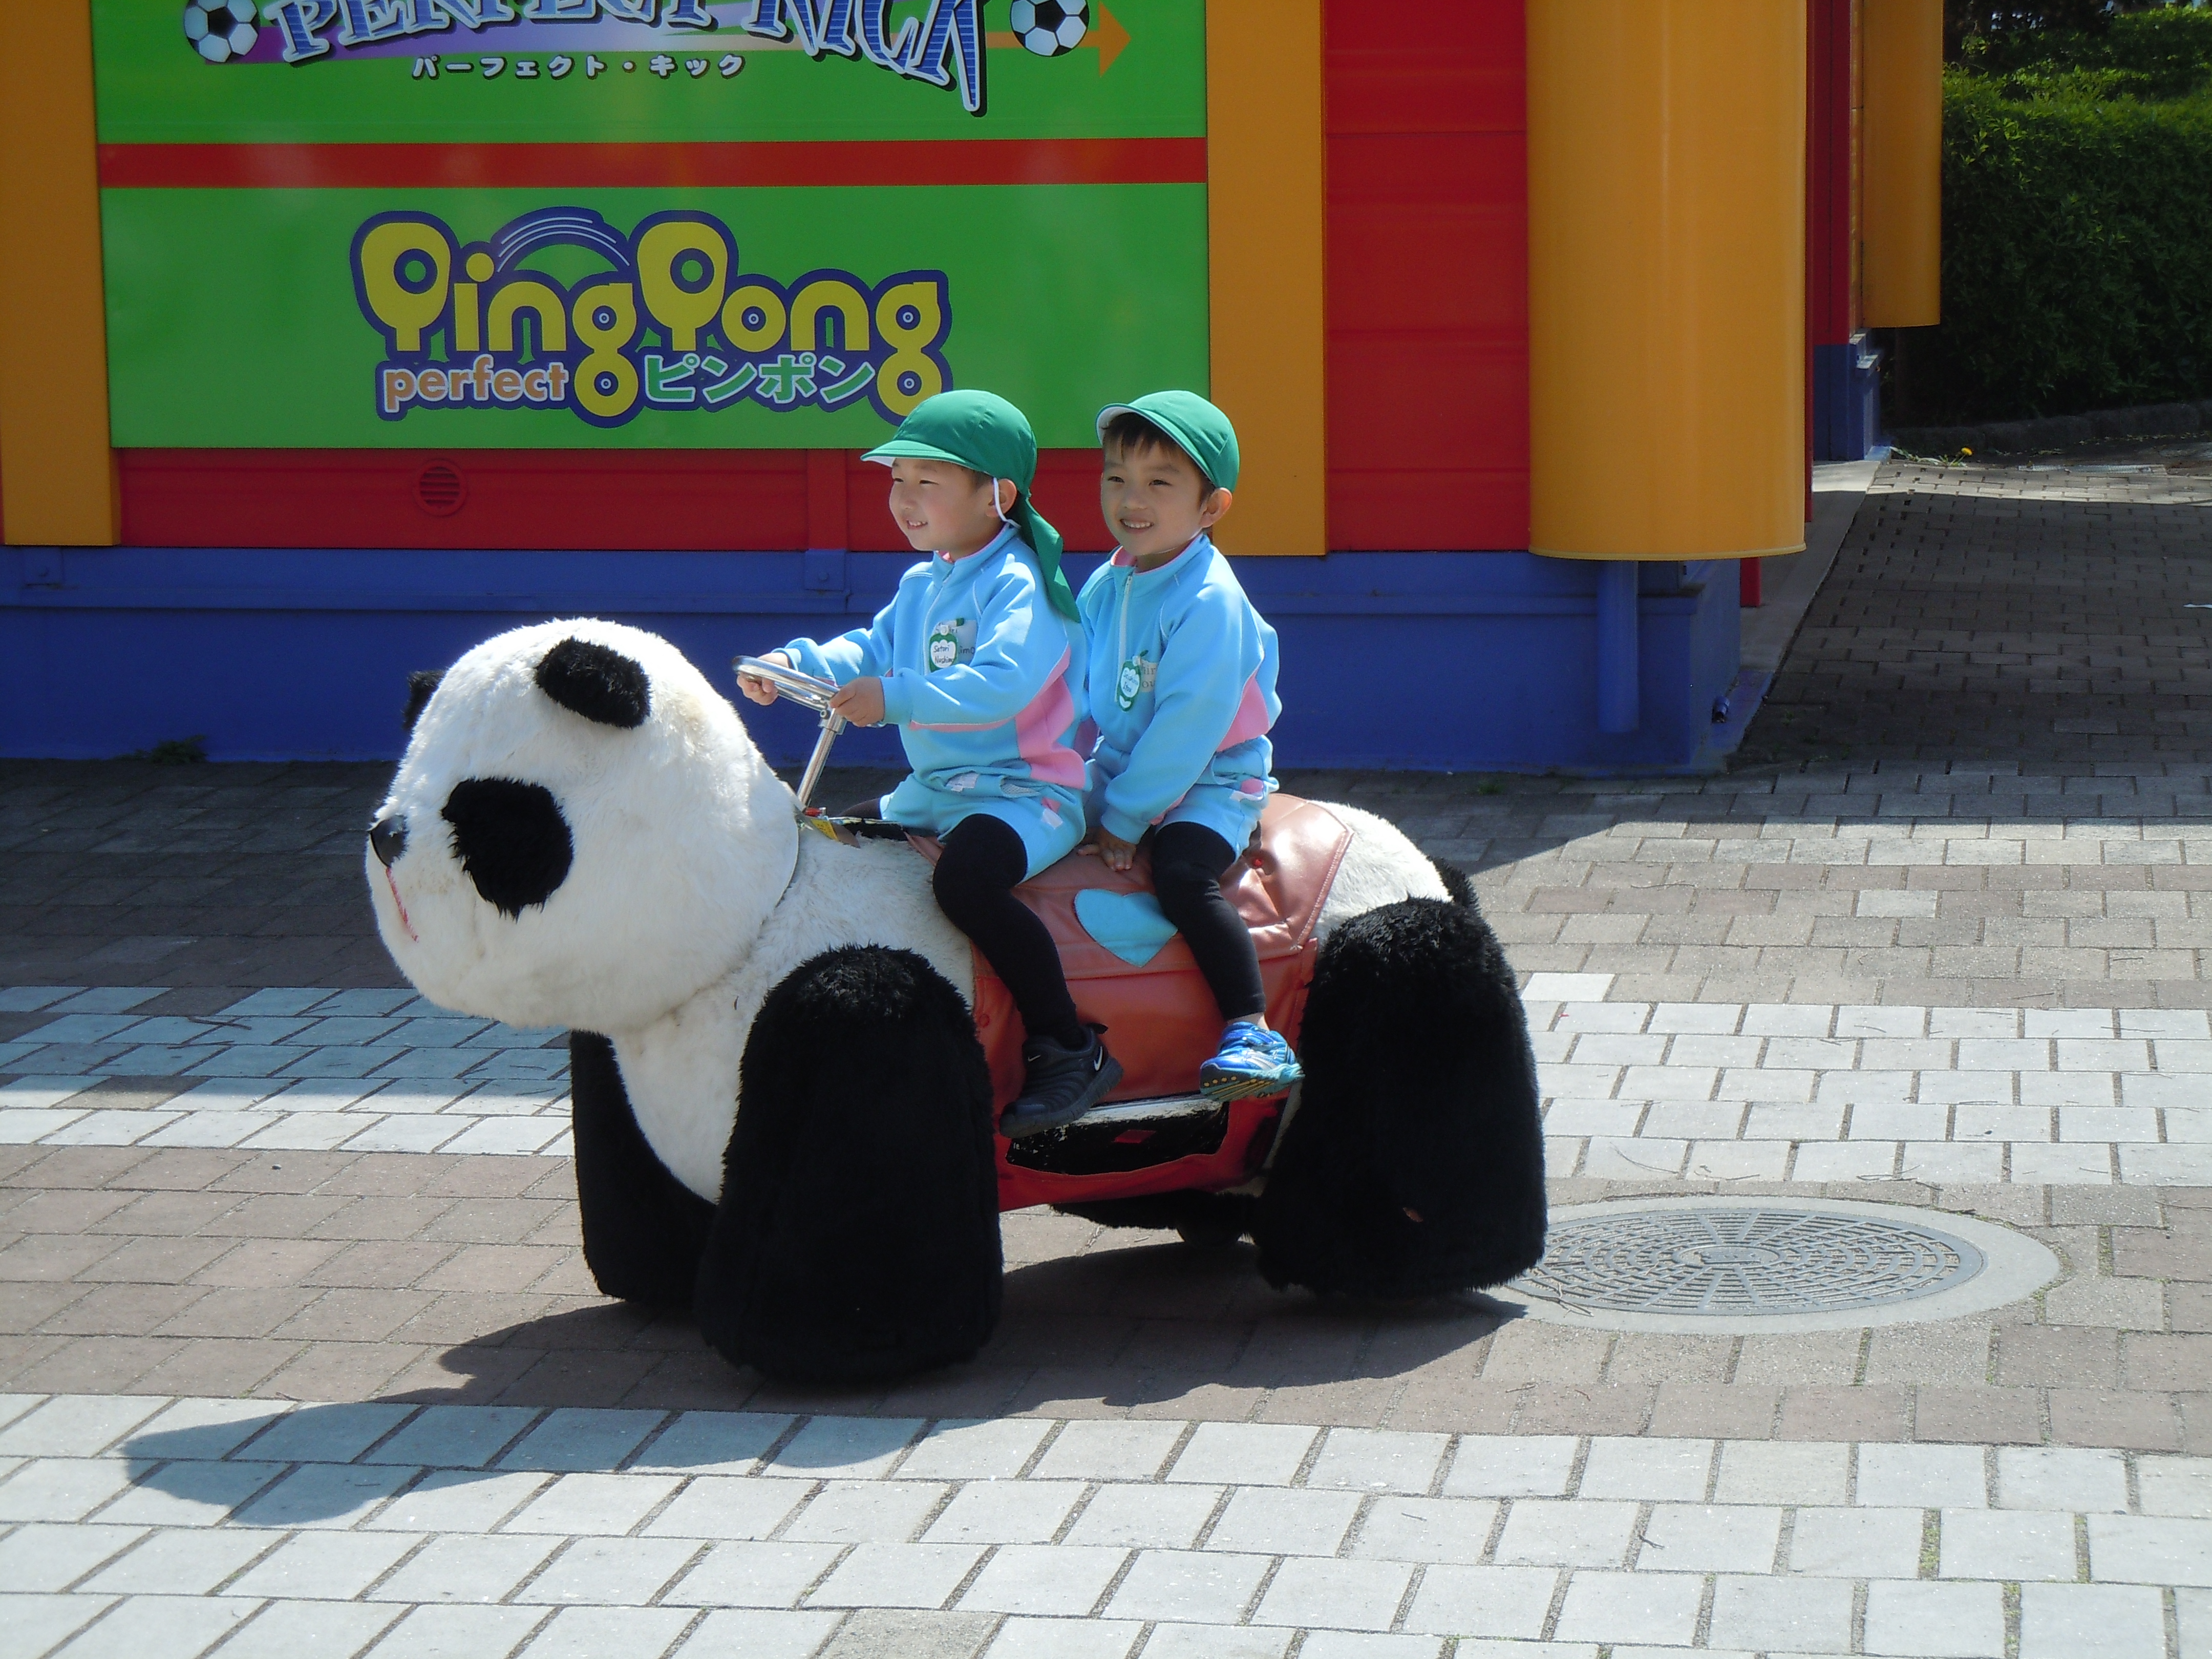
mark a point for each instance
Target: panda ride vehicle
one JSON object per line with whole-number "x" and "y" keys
{"x": 786, "y": 1064}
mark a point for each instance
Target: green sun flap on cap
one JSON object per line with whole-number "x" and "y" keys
{"x": 984, "y": 433}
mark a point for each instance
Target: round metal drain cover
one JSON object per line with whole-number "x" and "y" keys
{"x": 1758, "y": 1260}
{"x": 1702, "y": 1264}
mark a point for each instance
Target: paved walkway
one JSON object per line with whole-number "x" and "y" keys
{"x": 286, "y": 1254}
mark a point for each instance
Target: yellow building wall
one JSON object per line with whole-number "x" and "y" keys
{"x": 1266, "y": 200}
{"x": 1666, "y": 277}
{"x": 57, "y": 472}
{"x": 1901, "y": 228}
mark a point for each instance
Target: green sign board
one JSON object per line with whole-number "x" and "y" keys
{"x": 677, "y": 223}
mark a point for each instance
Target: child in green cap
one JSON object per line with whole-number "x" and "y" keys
{"x": 1182, "y": 688}
{"x": 979, "y": 662}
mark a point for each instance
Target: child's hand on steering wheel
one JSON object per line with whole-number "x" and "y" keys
{"x": 1103, "y": 843}
{"x": 860, "y": 702}
{"x": 763, "y": 692}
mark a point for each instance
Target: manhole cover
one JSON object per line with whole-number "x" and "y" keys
{"x": 1746, "y": 1261}
{"x": 1698, "y": 1264}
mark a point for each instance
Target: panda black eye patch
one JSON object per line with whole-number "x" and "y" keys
{"x": 511, "y": 839}
{"x": 599, "y": 682}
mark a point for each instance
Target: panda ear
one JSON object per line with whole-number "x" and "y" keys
{"x": 597, "y": 682}
{"x": 422, "y": 685}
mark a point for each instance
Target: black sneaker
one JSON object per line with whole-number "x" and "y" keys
{"x": 1062, "y": 1085}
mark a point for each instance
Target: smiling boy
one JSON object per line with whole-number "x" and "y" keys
{"x": 1183, "y": 690}
{"x": 979, "y": 662}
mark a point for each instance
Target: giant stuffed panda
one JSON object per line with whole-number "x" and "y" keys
{"x": 783, "y": 1118}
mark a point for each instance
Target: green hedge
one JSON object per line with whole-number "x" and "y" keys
{"x": 2077, "y": 227}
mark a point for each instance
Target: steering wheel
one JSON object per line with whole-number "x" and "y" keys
{"x": 789, "y": 682}
{"x": 816, "y": 694}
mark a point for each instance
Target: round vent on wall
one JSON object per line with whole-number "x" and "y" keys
{"x": 439, "y": 490}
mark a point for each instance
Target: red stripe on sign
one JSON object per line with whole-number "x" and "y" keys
{"x": 577, "y": 166}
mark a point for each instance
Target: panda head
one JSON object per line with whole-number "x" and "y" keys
{"x": 580, "y": 834}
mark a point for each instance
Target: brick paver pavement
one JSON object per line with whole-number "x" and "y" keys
{"x": 1934, "y": 941}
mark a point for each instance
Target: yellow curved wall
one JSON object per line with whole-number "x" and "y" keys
{"x": 1666, "y": 277}
{"x": 1902, "y": 231}
{"x": 1267, "y": 166}
{"x": 57, "y": 471}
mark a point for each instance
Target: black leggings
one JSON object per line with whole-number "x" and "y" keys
{"x": 983, "y": 861}
{"x": 1189, "y": 860}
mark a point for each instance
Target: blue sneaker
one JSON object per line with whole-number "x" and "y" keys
{"x": 1252, "y": 1061}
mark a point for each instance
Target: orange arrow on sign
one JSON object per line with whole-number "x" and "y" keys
{"x": 1112, "y": 39}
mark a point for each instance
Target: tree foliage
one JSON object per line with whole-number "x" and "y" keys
{"x": 2078, "y": 209}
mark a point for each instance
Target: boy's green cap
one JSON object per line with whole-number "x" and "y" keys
{"x": 984, "y": 433}
{"x": 1202, "y": 430}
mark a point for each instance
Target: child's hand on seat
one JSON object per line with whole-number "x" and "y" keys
{"x": 1103, "y": 843}
{"x": 759, "y": 690}
{"x": 860, "y": 702}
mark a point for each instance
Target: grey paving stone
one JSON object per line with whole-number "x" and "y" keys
{"x": 1041, "y": 1579}
{"x": 896, "y": 1575}
{"x": 1566, "y": 1533}
{"x": 1611, "y": 1607}
{"x": 324, "y": 1566}
{"x": 855, "y": 1512}
{"x": 458, "y": 1500}
{"x": 1936, "y": 1621}
{"x": 288, "y": 1630}
{"x": 1857, "y": 1543}
{"x": 976, "y": 1449}
{"x": 1181, "y": 1585}
{"x": 461, "y": 1569}
{"x": 591, "y": 1633}
{"x": 761, "y": 1634}
{"x": 2005, "y": 1545}
{"x": 713, "y": 1506}
{"x": 1737, "y": 1538}
{"x": 458, "y": 1632}
{"x": 1510, "y": 1603}
{"x": 1006, "y": 1512}
{"x": 160, "y": 1627}
{"x": 1360, "y": 1595}
{"x": 1378, "y": 1460}
{"x": 753, "y": 1575}
{"x": 75, "y": 1427}
{"x": 1145, "y": 1517}
{"x": 1109, "y": 1451}
{"x": 1434, "y": 1530}
{"x": 1065, "y": 1638}
{"x": 1782, "y": 1615}
{"x": 41, "y": 1557}
{"x": 1249, "y": 1452}
{"x": 455, "y": 1436}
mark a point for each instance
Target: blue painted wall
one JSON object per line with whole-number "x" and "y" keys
{"x": 1846, "y": 400}
{"x": 1455, "y": 662}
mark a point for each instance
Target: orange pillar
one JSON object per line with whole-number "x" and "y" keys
{"x": 57, "y": 471}
{"x": 1266, "y": 175}
{"x": 1902, "y": 171}
{"x": 1666, "y": 277}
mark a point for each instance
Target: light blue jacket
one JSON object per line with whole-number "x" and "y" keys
{"x": 982, "y": 677}
{"x": 1183, "y": 685}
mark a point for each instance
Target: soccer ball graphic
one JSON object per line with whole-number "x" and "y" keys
{"x": 1050, "y": 28}
{"x": 220, "y": 29}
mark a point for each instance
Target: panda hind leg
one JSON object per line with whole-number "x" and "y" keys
{"x": 857, "y": 1240}
{"x": 1414, "y": 1165}
{"x": 644, "y": 1230}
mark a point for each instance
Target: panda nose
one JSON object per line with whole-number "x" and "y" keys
{"x": 388, "y": 839}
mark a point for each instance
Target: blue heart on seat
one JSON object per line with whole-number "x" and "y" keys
{"x": 1129, "y": 924}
